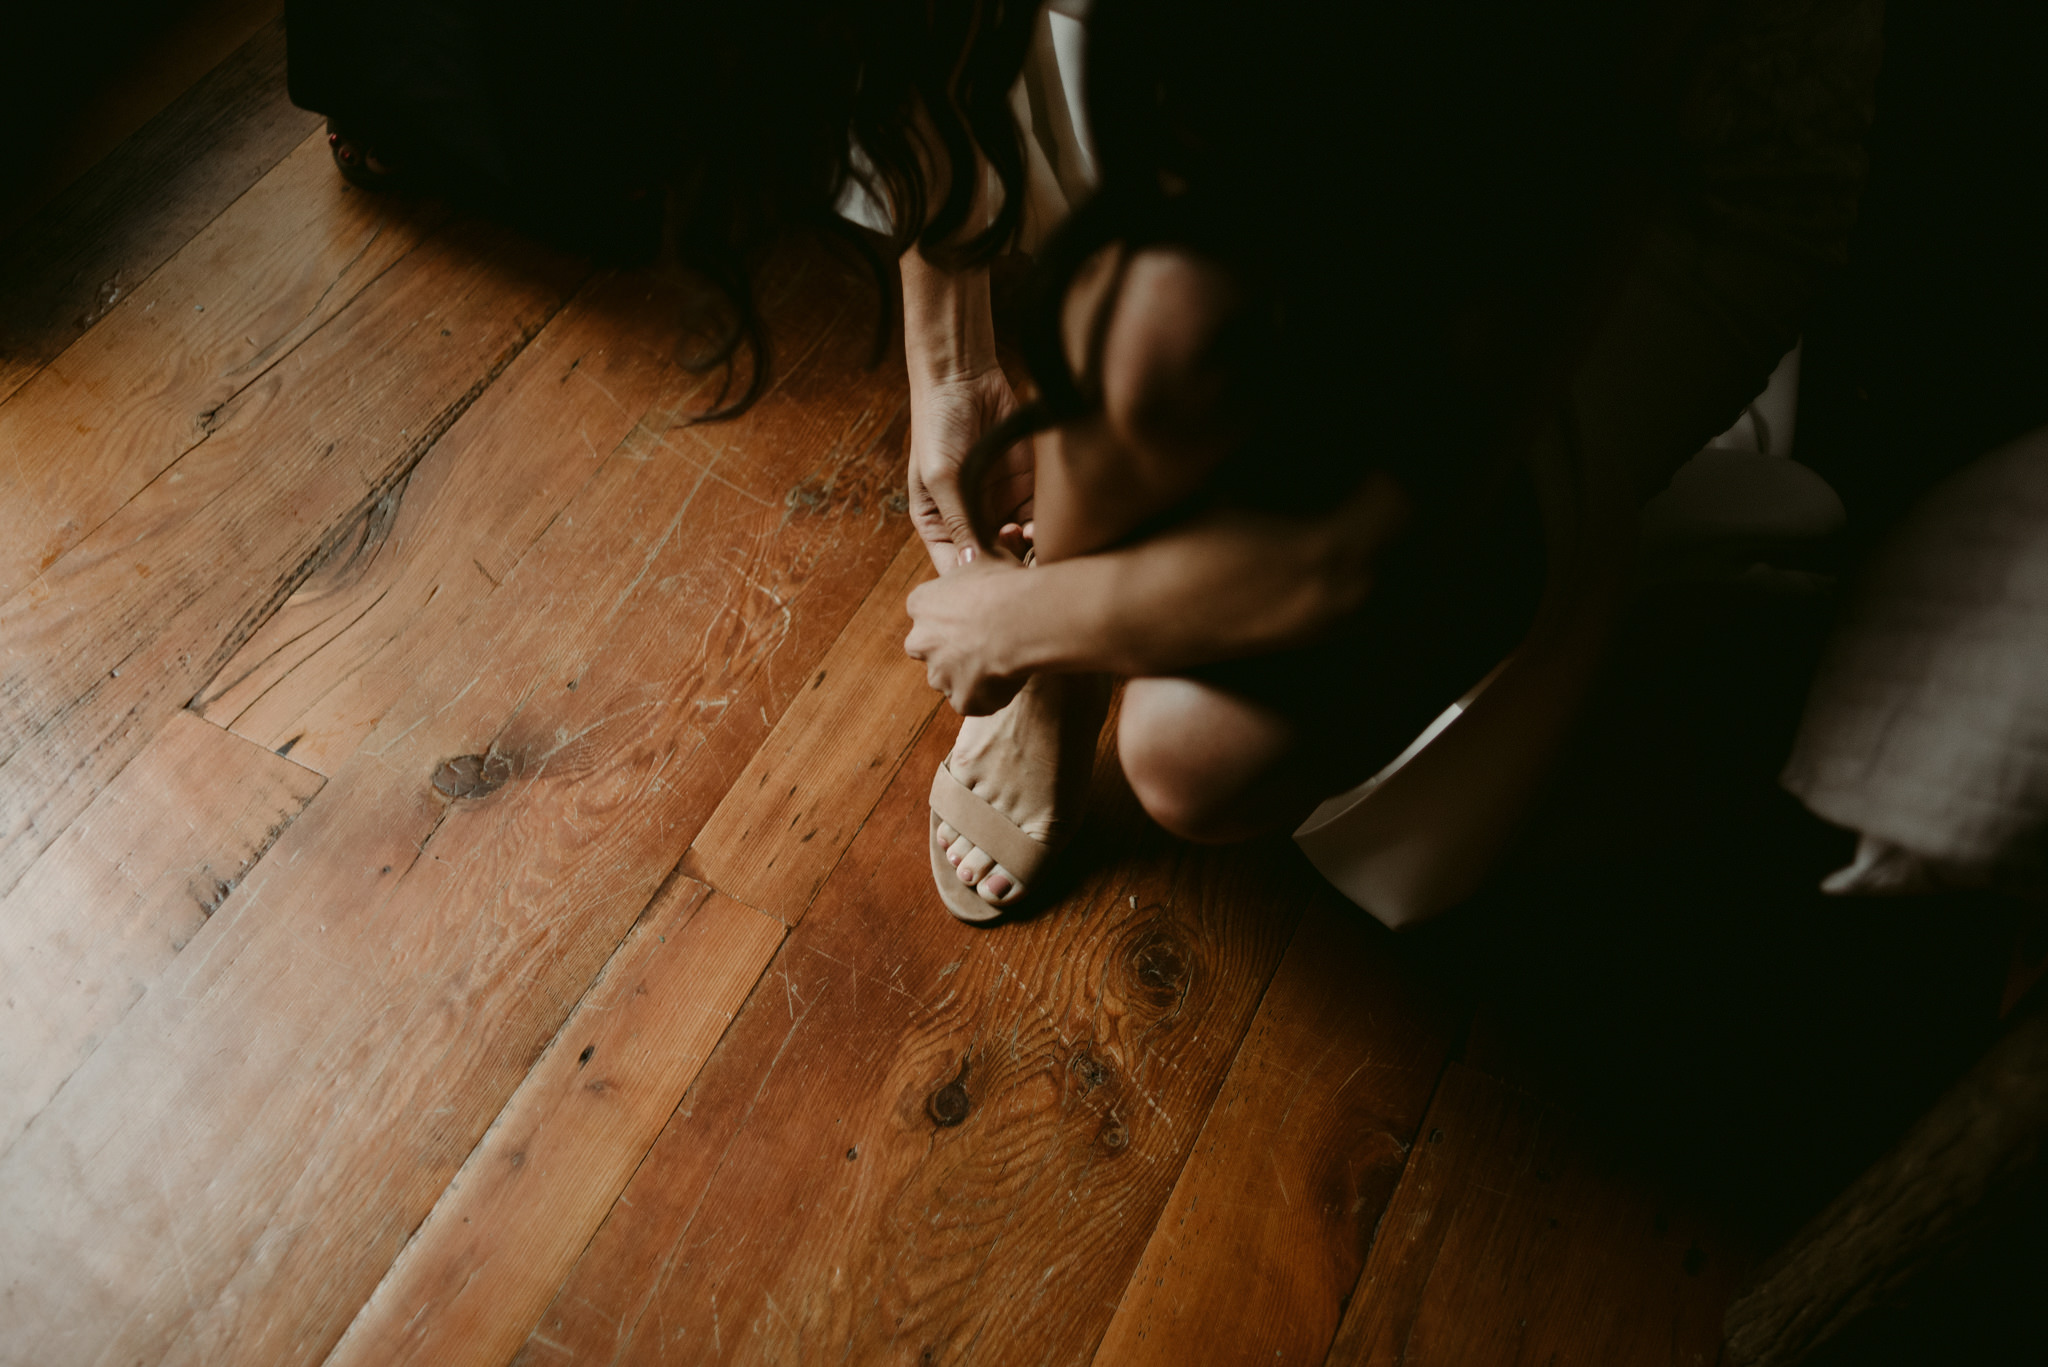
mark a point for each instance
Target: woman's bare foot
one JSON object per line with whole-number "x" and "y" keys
{"x": 1030, "y": 762}
{"x": 360, "y": 166}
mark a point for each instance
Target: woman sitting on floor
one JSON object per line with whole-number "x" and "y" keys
{"x": 1350, "y": 372}
{"x": 1352, "y": 375}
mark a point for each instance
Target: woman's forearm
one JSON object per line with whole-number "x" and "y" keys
{"x": 1224, "y": 585}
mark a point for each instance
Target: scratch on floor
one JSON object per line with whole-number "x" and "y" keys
{"x": 1274, "y": 1159}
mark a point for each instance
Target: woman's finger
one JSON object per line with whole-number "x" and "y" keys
{"x": 941, "y": 481}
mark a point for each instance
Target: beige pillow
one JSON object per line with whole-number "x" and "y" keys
{"x": 1926, "y": 730}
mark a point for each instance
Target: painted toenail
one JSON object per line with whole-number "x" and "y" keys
{"x": 996, "y": 885}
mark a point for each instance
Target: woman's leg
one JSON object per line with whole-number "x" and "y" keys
{"x": 1169, "y": 418}
{"x": 1212, "y": 765}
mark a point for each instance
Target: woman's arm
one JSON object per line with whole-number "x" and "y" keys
{"x": 1224, "y": 584}
{"x": 957, "y": 392}
{"x": 957, "y": 387}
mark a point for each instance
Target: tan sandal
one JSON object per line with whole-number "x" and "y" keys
{"x": 1021, "y": 855}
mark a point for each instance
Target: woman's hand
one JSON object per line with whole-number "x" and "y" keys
{"x": 1225, "y": 584}
{"x": 947, "y": 417}
{"x": 957, "y": 392}
{"x": 961, "y": 627}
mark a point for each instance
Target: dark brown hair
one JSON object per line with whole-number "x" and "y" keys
{"x": 787, "y": 103}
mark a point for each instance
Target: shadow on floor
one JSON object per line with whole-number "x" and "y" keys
{"x": 1657, "y": 954}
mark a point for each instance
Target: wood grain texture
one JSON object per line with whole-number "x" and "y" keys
{"x": 1263, "y": 1240}
{"x": 929, "y": 1142}
{"x": 482, "y": 1268}
{"x": 266, "y": 1129}
{"x": 97, "y": 241}
{"x": 795, "y": 809}
{"x": 1514, "y": 1239}
{"x": 98, "y": 917}
{"x": 124, "y": 628}
{"x": 154, "y": 379}
{"x": 315, "y": 678}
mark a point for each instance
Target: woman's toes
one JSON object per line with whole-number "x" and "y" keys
{"x": 959, "y": 850}
{"x": 998, "y": 887}
{"x": 975, "y": 865}
{"x": 947, "y": 835}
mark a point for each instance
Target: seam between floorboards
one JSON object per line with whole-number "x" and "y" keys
{"x": 252, "y": 621}
{"x": 569, "y": 1271}
{"x": 840, "y": 858}
{"x": 1223, "y": 1081}
{"x": 1407, "y": 1162}
{"x": 206, "y": 432}
{"x": 554, "y": 1039}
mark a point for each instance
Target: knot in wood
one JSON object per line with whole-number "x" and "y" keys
{"x": 949, "y": 1105}
{"x": 472, "y": 775}
{"x": 1113, "y": 1134}
{"x": 1159, "y": 966}
{"x": 1092, "y": 1071}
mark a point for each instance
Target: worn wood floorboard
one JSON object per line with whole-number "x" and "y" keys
{"x": 484, "y": 1265}
{"x": 270, "y": 1124}
{"x": 925, "y": 1141}
{"x": 91, "y": 247}
{"x": 792, "y": 814}
{"x": 147, "y": 385}
{"x": 595, "y": 1006}
{"x": 97, "y": 918}
{"x": 477, "y": 1275}
{"x": 1516, "y": 1238}
{"x": 314, "y": 679}
{"x": 125, "y": 627}
{"x": 1262, "y": 1242}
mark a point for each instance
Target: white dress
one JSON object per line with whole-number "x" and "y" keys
{"x": 1059, "y": 159}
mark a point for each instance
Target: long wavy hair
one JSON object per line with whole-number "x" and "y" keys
{"x": 791, "y": 102}
{"x": 1409, "y": 193}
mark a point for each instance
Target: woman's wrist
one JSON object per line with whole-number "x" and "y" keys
{"x": 1222, "y": 586}
{"x": 1059, "y": 618}
{"x": 1041, "y": 620}
{"x": 949, "y": 330}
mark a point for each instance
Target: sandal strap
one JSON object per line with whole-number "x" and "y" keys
{"x": 970, "y": 814}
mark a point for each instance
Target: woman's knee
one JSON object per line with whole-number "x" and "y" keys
{"x": 1198, "y": 759}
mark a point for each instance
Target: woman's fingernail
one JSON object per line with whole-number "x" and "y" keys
{"x": 967, "y": 555}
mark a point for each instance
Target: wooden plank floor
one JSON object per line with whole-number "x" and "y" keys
{"x": 462, "y": 879}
